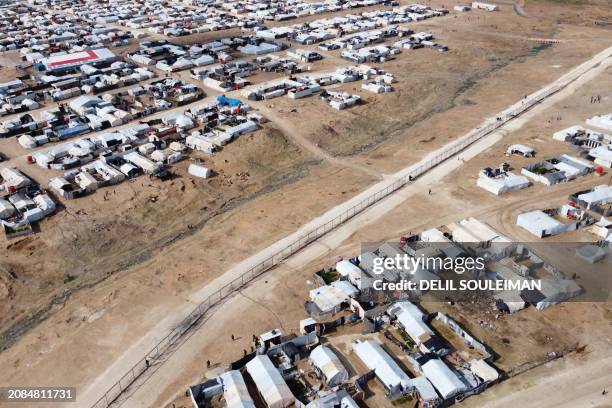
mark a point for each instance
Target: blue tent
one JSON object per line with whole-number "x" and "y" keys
{"x": 223, "y": 100}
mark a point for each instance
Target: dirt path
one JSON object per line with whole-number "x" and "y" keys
{"x": 148, "y": 393}
{"x": 297, "y": 137}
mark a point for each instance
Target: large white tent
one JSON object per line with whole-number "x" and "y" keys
{"x": 387, "y": 371}
{"x": 269, "y": 382}
{"x": 443, "y": 379}
{"x": 503, "y": 183}
{"x": 539, "y": 223}
{"x": 329, "y": 365}
{"x": 235, "y": 390}
{"x": 410, "y": 318}
{"x": 600, "y": 195}
{"x": 426, "y": 391}
{"x": 602, "y": 121}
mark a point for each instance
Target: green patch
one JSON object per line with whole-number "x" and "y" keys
{"x": 407, "y": 339}
{"x": 330, "y": 276}
{"x": 402, "y": 400}
{"x": 541, "y": 170}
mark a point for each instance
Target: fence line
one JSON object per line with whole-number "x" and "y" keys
{"x": 117, "y": 389}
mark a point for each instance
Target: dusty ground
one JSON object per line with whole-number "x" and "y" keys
{"x": 517, "y": 339}
{"x": 101, "y": 273}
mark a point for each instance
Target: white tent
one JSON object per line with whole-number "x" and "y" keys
{"x": 557, "y": 290}
{"x": 602, "y": 121}
{"x": 483, "y": 370}
{"x": 235, "y": 390}
{"x": 199, "y": 171}
{"x": 602, "y": 155}
{"x": 600, "y": 195}
{"x": 410, "y": 318}
{"x": 539, "y": 223}
{"x": 522, "y": 149}
{"x": 328, "y": 298}
{"x": 386, "y": 369}
{"x": 6, "y": 209}
{"x": 269, "y": 382}
{"x": 14, "y": 178}
{"x": 351, "y": 271}
{"x": 426, "y": 391}
{"x": 503, "y": 183}
{"x": 442, "y": 378}
{"x": 329, "y": 364}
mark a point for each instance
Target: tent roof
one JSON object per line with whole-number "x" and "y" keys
{"x": 443, "y": 379}
{"x": 386, "y": 369}
{"x": 411, "y": 319}
{"x": 269, "y": 382}
{"x": 325, "y": 360}
{"x": 235, "y": 390}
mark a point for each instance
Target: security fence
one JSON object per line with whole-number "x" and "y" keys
{"x": 111, "y": 396}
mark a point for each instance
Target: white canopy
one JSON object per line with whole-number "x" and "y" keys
{"x": 269, "y": 382}
{"x": 410, "y": 318}
{"x": 539, "y": 223}
{"x": 442, "y": 378}
{"x": 329, "y": 364}
{"x": 385, "y": 368}
{"x": 235, "y": 390}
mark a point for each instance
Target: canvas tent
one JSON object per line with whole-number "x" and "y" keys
{"x": 539, "y": 223}
{"x": 443, "y": 379}
{"x": 386, "y": 369}
{"x": 235, "y": 391}
{"x": 329, "y": 365}
{"x": 425, "y": 390}
{"x": 483, "y": 370}
{"x": 269, "y": 382}
{"x": 602, "y": 121}
{"x": 600, "y": 195}
{"x": 410, "y": 318}
{"x": 350, "y": 271}
{"x": 503, "y": 183}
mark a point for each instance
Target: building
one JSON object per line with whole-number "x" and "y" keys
{"x": 557, "y": 169}
{"x": 333, "y": 298}
{"x": 76, "y": 59}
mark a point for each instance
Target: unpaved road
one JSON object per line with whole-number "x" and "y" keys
{"x": 147, "y": 394}
{"x": 559, "y": 384}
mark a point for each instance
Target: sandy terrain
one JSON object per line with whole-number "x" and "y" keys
{"x": 364, "y": 227}
{"x": 112, "y": 273}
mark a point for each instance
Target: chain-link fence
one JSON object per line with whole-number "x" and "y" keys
{"x": 111, "y": 395}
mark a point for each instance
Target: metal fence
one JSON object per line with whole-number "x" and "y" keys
{"x": 110, "y": 397}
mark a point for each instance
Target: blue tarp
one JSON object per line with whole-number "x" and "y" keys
{"x": 223, "y": 100}
{"x": 72, "y": 131}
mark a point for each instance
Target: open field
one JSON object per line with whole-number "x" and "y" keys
{"x": 77, "y": 297}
